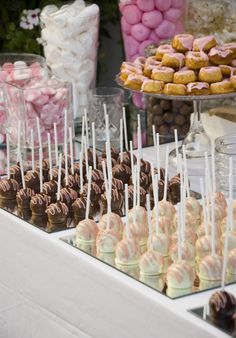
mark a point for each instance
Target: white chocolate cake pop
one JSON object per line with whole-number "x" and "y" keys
{"x": 231, "y": 240}
{"x": 210, "y": 271}
{"x": 231, "y": 266}
{"x": 190, "y": 221}
{"x": 166, "y": 225}
{"x": 127, "y": 252}
{"x": 201, "y": 231}
{"x": 220, "y": 200}
{"x": 116, "y": 224}
{"x": 203, "y": 247}
{"x": 86, "y": 231}
{"x": 151, "y": 263}
{"x": 193, "y": 207}
{"x": 188, "y": 253}
{"x": 189, "y": 234}
{"x": 106, "y": 241}
{"x": 166, "y": 209}
{"x": 224, "y": 222}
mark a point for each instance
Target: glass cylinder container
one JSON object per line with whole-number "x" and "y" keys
{"x": 70, "y": 39}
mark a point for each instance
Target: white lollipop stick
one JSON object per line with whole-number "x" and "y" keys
{"x": 41, "y": 169}
{"x": 56, "y": 143}
{"x": 139, "y": 143}
{"x": 213, "y": 168}
{"x": 230, "y": 207}
{"x": 88, "y": 193}
{"x": 135, "y": 195}
{"x": 127, "y": 229}
{"x": 132, "y": 159}
{"x": 82, "y": 136}
{"x": 179, "y": 232}
{"x": 86, "y": 126}
{"x": 125, "y": 130}
{"x": 65, "y": 131}
{"x": 22, "y": 172}
{"x": 158, "y": 155}
{"x": 154, "y": 135}
{"x": 8, "y": 156}
{"x": 108, "y": 195}
{"x": 225, "y": 256}
{"x": 149, "y": 219}
{"x": 109, "y": 167}
{"x": 71, "y": 151}
{"x": 86, "y": 155}
{"x": 39, "y": 133}
{"x": 66, "y": 164}
{"x": 213, "y": 239}
{"x": 186, "y": 171}
{"x": 176, "y": 147}
{"x": 204, "y": 208}
{"x": 59, "y": 177}
{"x": 105, "y": 176}
{"x": 49, "y": 156}
{"x": 18, "y": 140}
{"x": 94, "y": 146}
{"x": 121, "y": 140}
{"x": 156, "y": 192}
{"x": 32, "y": 148}
{"x": 81, "y": 172}
{"x": 138, "y": 180}
{"x": 74, "y": 91}
{"x": 166, "y": 173}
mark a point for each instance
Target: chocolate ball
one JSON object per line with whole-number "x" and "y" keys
{"x": 157, "y": 110}
{"x": 172, "y": 129}
{"x": 165, "y": 104}
{"x": 179, "y": 120}
{"x": 158, "y": 120}
{"x": 163, "y": 130}
{"x": 168, "y": 117}
{"x": 122, "y": 172}
{"x": 186, "y": 110}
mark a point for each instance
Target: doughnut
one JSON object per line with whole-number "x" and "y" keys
{"x": 210, "y": 74}
{"x": 173, "y": 60}
{"x": 149, "y": 68}
{"x": 233, "y": 63}
{"x": 196, "y": 60}
{"x": 233, "y": 81}
{"x": 151, "y": 60}
{"x": 227, "y": 70}
{"x": 125, "y": 72}
{"x": 163, "y": 49}
{"x": 165, "y": 74}
{"x": 139, "y": 61}
{"x": 198, "y": 88}
{"x": 183, "y": 42}
{"x": 174, "y": 89}
{"x": 222, "y": 87}
{"x": 204, "y": 44}
{"x": 152, "y": 86}
{"x": 184, "y": 76}
{"x": 134, "y": 81}
{"x": 231, "y": 46}
{"x": 130, "y": 66}
{"x": 220, "y": 56}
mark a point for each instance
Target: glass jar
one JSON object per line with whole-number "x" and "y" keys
{"x": 70, "y": 39}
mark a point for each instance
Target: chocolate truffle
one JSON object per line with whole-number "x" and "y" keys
{"x": 8, "y": 189}
{"x": 131, "y": 196}
{"x": 116, "y": 201}
{"x": 127, "y": 159}
{"x": 97, "y": 177}
{"x": 68, "y": 196}
{"x": 122, "y": 172}
{"x": 50, "y": 189}
{"x": 23, "y": 198}
{"x": 73, "y": 181}
{"x": 222, "y": 308}
{"x": 114, "y": 153}
{"x": 39, "y": 204}
{"x": 32, "y": 181}
{"x": 57, "y": 212}
{"x": 79, "y": 209}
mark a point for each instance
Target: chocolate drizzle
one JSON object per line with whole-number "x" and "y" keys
{"x": 8, "y": 188}
{"x": 122, "y": 172}
{"x": 23, "y": 198}
{"x": 222, "y": 306}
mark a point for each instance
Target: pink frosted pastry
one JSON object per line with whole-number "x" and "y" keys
{"x": 152, "y": 19}
{"x": 183, "y": 42}
{"x": 188, "y": 253}
{"x": 204, "y": 43}
{"x": 173, "y": 60}
{"x": 163, "y": 49}
{"x": 140, "y": 62}
{"x": 86, "y": 231}
{"x": 184, "y": 76}
{"x": 198, "y": 88}
{"x": 179, "y": 278}
{"x": 106, "y": 241}
{"x": 196, "y": 60}
{"x": 210, "y": 271}
{"x": 231, "y": 266}
{"x": 116, "y": 224}
{"x": 127, "y": 252}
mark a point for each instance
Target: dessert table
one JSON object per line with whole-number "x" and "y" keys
{"x": 49, "y": 289}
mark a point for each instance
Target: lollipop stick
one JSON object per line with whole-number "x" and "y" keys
{"x": 121, "y": 140}
{"x": 125, "y": 130}
{"x": 22, "y": 171}
{"x": 138, "y": 180}
{"x": 149, "y": 219}
{"x": 71, "y": 151}
{"x": 154, "y": 135}
{"x": 81, "y": 172}
{"x": 18, "y": 140}
{"x": 179, "y": 232}
{"x": 56, "y": 143}
{"x": 32, "y": 148}
{"x": 59, "y": 177}
{"x": 230, "y": 208}
{"x": 49, "y": 155}
{"x": 204, "y": 208}
{"x": 86, "y": 126}
{"x": 88, "y": 194}
{"x": 186, "y": 171}
{"x": 8, "y": 156}
{"x": 158, "y": 155}
{"x": 86, "y": 155}
{"x": 82, "y": 136}
{"x": 166, "y": 173}
{"x": 135, "y": 195}
{"x": 225, "y": 256}
{"x": 132, "y": 159}
{"x": 41, "y": 169}
{"x": 213, "y": 167}
{"x": 156, "y": 190}
{"x": 94, "y": 146}
{"x": 127, "y": 229}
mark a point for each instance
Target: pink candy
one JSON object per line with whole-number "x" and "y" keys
{"x": 154, "y": 37}
{"x": 177, "y": 3}
{"x": 126, "y": 27}
{"x": 165, "y": 30}
{"x": 173, "y": 14}
{"x": 146, "y": 5}
{"x": 152, "y": 19}
{"x": 132, "y": 14}
{"x": 163, "y": 5}
{"x": 131, "y": 45}
{"x": 140, "y": 32}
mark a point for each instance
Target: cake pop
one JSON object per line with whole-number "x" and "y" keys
{"x": 97, "y": 177}
{"x": 231, "y": 266}
{"x": 39, "y": 204}
{"x": 116, "y": 184}
{"x": 122, "y": 172}
{"x": 114, "y": 153}
{"x": 116, "y": 224}
{"x": 32, "y": 181}
{"x": 222, "y": 308}
{"x": 15, "y": 173}
{"x": 210, "y": 271}
{"x": 142, "y": 194}
{"x": 86, "y": 231}
{"x": 73, "y": 181}
{"x": 116, "y": 201}
{"x": 193, "y": 207}
{"x": 57, "y": 213}
{"x": 79, "y": 208}
{"x": 50, "y": 189}
{"x": 106, "y": 241}
{"x": 126, "y": 159}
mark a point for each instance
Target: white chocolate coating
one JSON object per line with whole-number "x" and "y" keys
{"x": 116, "y": 224}
{"x": 106, "y": 241}
{"x": 86, "y": 231}
{"x": 151, "y": 263}
{"x": 210, "y": 268}
{"x": 127, "y": 252}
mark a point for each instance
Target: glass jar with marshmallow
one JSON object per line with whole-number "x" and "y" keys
{"x": 70, "y": 38}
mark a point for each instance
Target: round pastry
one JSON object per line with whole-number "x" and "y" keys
{"x": 32, "y": 181}
{"x": 222, "y": 87}
{"x": 174, "y": 89}
{"x": 210, "y": 74}
{"x": 183, "y": 42}
{"x": 163, "y": 49}
{"x": 160, "y": 243}
{"x": 57, "y": 212}
{"x": 173, "y": 60}
{"x": 233, "y": 81}
{"x": 131, "y": 66}
{"x": 204, "y": 43}
{"x": 79, "y": 208}
{"x": 8, "y": 189}
{"x": 116, "y": 224}
{"x": 152, "y": 86}
{"x": 160, "y": 192}
{"x": 86, "y": 231}
{"x": 127, "y": 159}
{"x": 198, "y": 88}
{"x": 222, "y": 307}
{"x": 220, "y": 56}
{"x": 184, "y": 76}
{"x": 106, "y": 241}
{"x": 68, "y": 196}
{"x": 15, "y": 173}
{"x": 131, "y": 196}
{"x": 50, "y": 189}
{"x": 151, "y": 263}
{"x": 196, "y": 60}
{"x": 55, "y": 173}
{"x": 39, "y": 204}
{"x": 97, "y": 177}
{"x": 117, "y": 198}
{"x": 116, "y": 184}
{"x": 125, "y": 72}
{"x": 149, "y": 66}
{"x": 73, "y": 181}
{"x": 231, "y": 46}
{"x": 227, "y": 70}
{"x": 140, "y": 61}
{"x": 135, "y": 81}
{"x": 23, "y": 198}
{"x": 161, "y": 73}
{"x": 190, "y": 221}
{"x": 166, "y": 225}
{"x": 122, "y": 172}
{"x": 114, "y": 153}
{"x": 127, "y": 252}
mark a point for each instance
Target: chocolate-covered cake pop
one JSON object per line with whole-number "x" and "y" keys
{"x": 95, "y": 192}
{"x": 32, "y": 181}
{"x": 116, "y": 184}
{"x": 114, "y": 153}
{"x": 63, "y": 161}
{"x": 131, "y": 196}
{"x": 162, "y": 173}
{"x": 122, "y": 172}
{"x": 113, "y": 163}
{"x": 50, "y": 189}
{"x": 79, "y": 209}
{"x": 90, "y": 157}
{"x": 222, "y": 308}
{"x": 161, "y": 185}
{"x": 8, "y": 189}
{"x": 39, "y": 204}
{"x": 174, "y": 189}
{"x": 57, "y": 212}
{"x": 23, "y": 198}
{"x": 68, "y": 196}
{"x": 55, "y": 174}
{"x": 97, "y": 177}
{"x": 73, "y": 181}
{"x": 126, "y": 159}
{"x": 77, "y": 168}
{"x": 145, "y": 166}
{"x": 116, "y": 201}
{"x": 15, "y": 173}
{"x": 45, "y": 170}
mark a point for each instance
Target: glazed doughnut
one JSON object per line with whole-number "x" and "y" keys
{"x": 151, "y": 60}
{"x": 227, "y": 70}
{"x": 220, "y": 56}
{"x": 231, "y": 46}
{"x": 233, "y": 63}
{"x": 204, "y": 44}
{"x": 152, "y": 86}
{"x": 165, "y": 74}
{"x": 140, "y": 61}
{"x": 130, "y": 66}
{"x": 184, "y": 76}
{"x": 149, "y": 66}
{"x": 233, "y": 81}
{"x": 125, "y": 72}
{"x": 196, "y": 60}
{"x": 183, "y": 42}
{"x": 173, "y": 60}
{"x": 163, "y": 49}
{"x": 174, "y": 89}
{"x": 210, "y": 74}
{"x": 135, "y": 81}
{"x": 223, "y": 87}
{"x": 198, "y": 88}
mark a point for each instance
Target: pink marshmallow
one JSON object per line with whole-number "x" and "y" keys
{"x": 162, "y": 5}
{"x": 60, "y": 94}
{"x": 132, "y": 14}
{"x": 3, "y": 76}
{"x": 131, "y": 45}
{"x": 125, "y": 26}
{"x": 133, "y": 57}
{"x": 178, "y": 3}
{"x": 32, "y": 94}
{"x": 152, "y": 19}
{"x": 140, "y": 32}
{"x": 138, "y": 100}
{"x": 124, "y": 3}
{"x": 41, "y": 100}
{"x": 153, "y": 37}
{"x": 145, "y": 5}
{"x": 30, "y": 111}
{"x": 143, "y": 45}
{"x": 179, "y": 27}
{"x": 173, "y": 14}
{"x": 48, "y": 91}
{"x": 165, "y": 30}
{"x": 8, "y": 67}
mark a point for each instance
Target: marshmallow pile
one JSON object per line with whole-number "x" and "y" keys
{"x": 45, "y": 98}
{"x": 70, "y": 38}
{"x": 146, "y": 22}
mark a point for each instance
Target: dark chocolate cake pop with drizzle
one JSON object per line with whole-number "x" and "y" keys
{"x": 142, "y": 193}
{"x": 39, "y": 204}
{"x": 122, "y": 172}
{"x": 68, "y": 196}
{"x": 116, "y": 184}
{"x": 55, "y": 173}
{"x": 24, "y": 195}
{"x": 126, "y": 159}
{"x": 77, "y": 168}
{"x": 57, "y": 212}
{"x": 15, "y": 173}
{"x": 32, "y": 181}
{"x": 97, "y": 177}
{"x": 161, "y": 185}
{"x": 79, "y": 208}
{"x": 162, "y": 173}
{"x": 45, "y": 166}
{"x": 50, "y": 189}
{"x": 174, "y": 189}
{"x": 222, "y": 308}
{"x": 117, "y": 199}
{"x": 73, "y": 181}
{"x": 90, "y": 157}
{"x": 114, "y": 153}
{"x": 113, "y": 163}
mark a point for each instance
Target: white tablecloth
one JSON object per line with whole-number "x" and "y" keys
{"x": 49, "y": 289}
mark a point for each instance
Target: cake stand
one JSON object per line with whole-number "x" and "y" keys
{"x": 196, "y": 142}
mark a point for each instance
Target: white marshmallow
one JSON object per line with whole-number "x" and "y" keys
{"x": 20, "y": 64}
